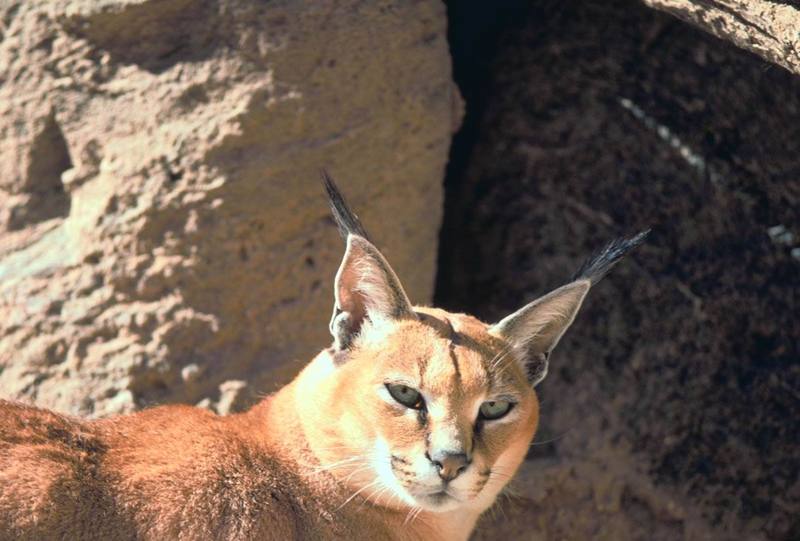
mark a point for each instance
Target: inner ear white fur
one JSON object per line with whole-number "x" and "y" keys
{"x": 365, "y": 287}
{"x": 535, "y": 329}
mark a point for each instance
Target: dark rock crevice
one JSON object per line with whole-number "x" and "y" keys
{"x": 597, "y": 119}
{"x": 43, "y": 190}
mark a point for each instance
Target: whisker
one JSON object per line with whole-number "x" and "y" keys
{"x": 496, "y": 365}
{"x": 395, "y": 495}
{"x": 499, "y": 358}
{"x": 498, "y": 473}
{"x": 410, "y": 513}
{"x": 551, "y": 440}
{"x": 357, "y": 470}
{"x": 340, "y": 448}
{"x": 503, "y": 511}
{"x": 357, "y": 492}
{"x": 377, "y": 495}
{"x": 340, "y": 463}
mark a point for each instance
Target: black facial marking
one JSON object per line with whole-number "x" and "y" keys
{"x": 454, "y": 358}
{"x": 483, "y": 479}
{"x": 446, "y": 330}
{"x": 452, "y": 331}
{"x": 478, "y": 430}
{"x": 481, "y": 483}
{"x": 423, "y": 364}
{"x": 399, "y": 459}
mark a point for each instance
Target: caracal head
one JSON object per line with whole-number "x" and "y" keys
{"x": 421, "y": 408}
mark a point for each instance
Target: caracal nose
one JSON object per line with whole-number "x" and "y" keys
{"x": 449, "y": 465}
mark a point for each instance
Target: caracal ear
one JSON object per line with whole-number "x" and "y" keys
{"x": 534, "y": 330}
{"x": 366, "y": 287}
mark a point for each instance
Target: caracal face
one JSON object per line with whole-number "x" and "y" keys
{"x": 420, "y": 409}
{"x": 443, "y": 413}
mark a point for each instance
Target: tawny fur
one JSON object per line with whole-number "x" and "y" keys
{"x": 333, "y": 455}
{"x": 179, "y": 472}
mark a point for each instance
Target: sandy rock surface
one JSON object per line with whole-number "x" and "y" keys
{"x": 766, "y": 27}
{"x": 163, "y": 235}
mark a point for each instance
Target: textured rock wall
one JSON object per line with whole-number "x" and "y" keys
{"x": 670, "y": 409}
{"x": 162, "y": 228}
{"x": 770, "y": 28}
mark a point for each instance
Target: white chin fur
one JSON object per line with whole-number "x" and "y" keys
{"x": 381, "y": 463}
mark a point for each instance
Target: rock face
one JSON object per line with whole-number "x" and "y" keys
{"x": 671, "y": 404}
{"x": 766, "y": 27}
{"x": 162, "y": 227}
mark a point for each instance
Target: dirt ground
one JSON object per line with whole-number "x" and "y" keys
{"x": 670, "y": 411}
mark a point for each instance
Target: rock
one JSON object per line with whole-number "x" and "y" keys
{"x": 159, "y": 196}
{"x": 207, "y": 404}
{"x": 190, "y": 372}
{"x": 674, "y": 395}
{"x": 231, "y": 397}
{"x": 766, "y": 27}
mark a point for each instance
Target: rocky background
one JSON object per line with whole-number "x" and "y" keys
{"x": 163, "y": 231}
{"x": 163, "y": 235}
{"x": 671, "y": 408}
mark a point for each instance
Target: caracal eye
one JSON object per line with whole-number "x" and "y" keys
{"x": 410, "y": 398}
{"x": 494, "y": 409}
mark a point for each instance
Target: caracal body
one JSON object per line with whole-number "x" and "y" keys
{"x": 406, "y": 428}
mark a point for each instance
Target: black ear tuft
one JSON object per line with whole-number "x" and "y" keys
{"x": 346, "y": 220}
{"x": 596, "y": 267}
{"x": 535, "y": 329}
{"x": 365, "y": 288}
